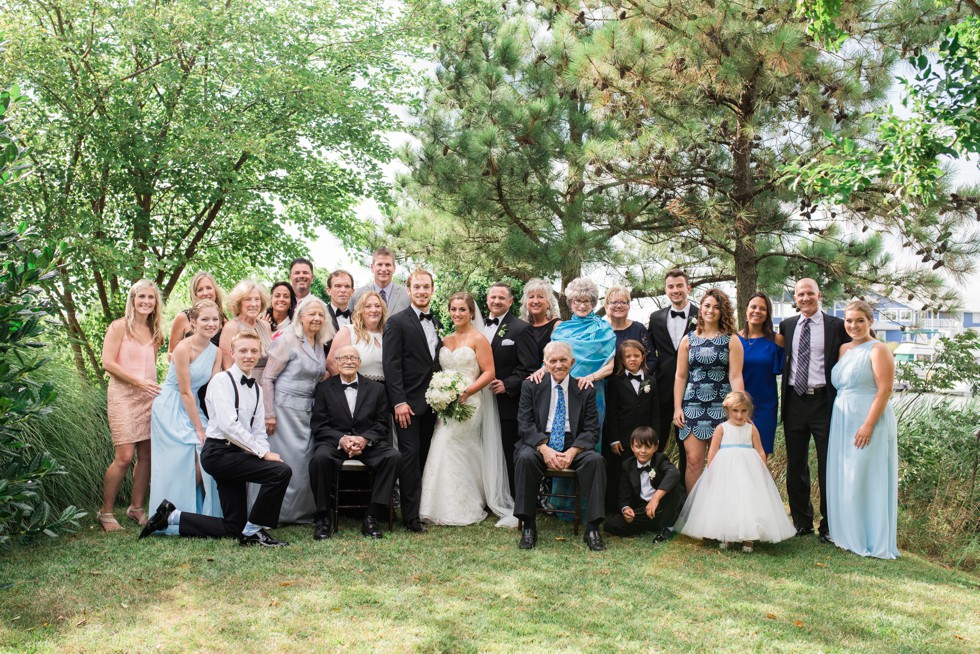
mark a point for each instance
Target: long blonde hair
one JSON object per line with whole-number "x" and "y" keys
{"x": 219, "y": 295}
{"x": 154, "y": 321}
{"x": 357, "y": 317}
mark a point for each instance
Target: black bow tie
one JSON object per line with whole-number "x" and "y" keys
{"x": 345, "y": 313}
{"x": 424, "y": 316}
{"x": 638, "y": 378}
{"x": 353, "y": 385}
{"x": 491, "y": 321}
{"x": 248, "y": 381}
{"x": 645, "y": 468}
{"x": 678, "y": 314}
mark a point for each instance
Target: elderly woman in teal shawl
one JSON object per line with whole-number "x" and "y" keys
{"x": 593, "y": 344}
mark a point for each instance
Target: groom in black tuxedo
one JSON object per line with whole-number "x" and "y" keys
{"x": 410, "y": 354}
{"x": 812, "y": 345}
{"x": 667, "y": 327}
{"x": 547, "y": 445}
{"x": 514, "y": 358}
{"x": 350, "y": 421}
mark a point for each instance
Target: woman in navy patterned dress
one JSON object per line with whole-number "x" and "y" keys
{"x": 709, "y": 367}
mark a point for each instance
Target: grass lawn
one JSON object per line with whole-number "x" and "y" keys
{"x": 471, "y": 589}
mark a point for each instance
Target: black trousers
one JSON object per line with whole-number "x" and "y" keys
{"x": 663, "y": 433}
{"x": 614, "y": 470}
{"x": 326, "y": 461}
{"x": 805, "y": 417}
{"x": 233, "y": 469}
{"x": 508, "y": 439}
{"x": 529, "y": 468}
{"x": 413, "y": 444}
{"x": 667, "y": 511}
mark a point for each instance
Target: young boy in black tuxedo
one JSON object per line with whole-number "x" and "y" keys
{"x": 650, "y": 495}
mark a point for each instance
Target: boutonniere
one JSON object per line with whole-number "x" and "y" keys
{"x": 653, "y": 474}
{"x": 502, "y": 330}
{"x": 442, "y": 332}
{"x": 645, "y": 386}
{"x": 692, "y": 323}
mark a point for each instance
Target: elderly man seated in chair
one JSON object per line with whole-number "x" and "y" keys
{"x": 350, "y": 421}
{"x": 558, "y": 426}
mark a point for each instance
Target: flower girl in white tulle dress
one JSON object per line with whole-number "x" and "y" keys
{"x": 736, "y": 500}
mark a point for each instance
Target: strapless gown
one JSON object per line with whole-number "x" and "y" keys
{"x": 465, "y": 473}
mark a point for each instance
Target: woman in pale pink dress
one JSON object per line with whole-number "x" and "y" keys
{"x": 129, "y": 356}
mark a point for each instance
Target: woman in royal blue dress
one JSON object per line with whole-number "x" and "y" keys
{"x": 862, "y": 455}
{"x": 709, "y": 367}
{"x": 177, "y": 423}
{"x": 761, "y": 364}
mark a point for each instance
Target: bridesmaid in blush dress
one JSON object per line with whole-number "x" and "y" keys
{"x": 178, "y": 424}
{"x": 862, "y": 455}
{"x": 246, "y": 302}
{"x": 762, "y": 363}
{"x": 129, "y": 355}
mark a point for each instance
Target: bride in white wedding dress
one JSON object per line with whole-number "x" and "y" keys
{"x": 465, "y": 472}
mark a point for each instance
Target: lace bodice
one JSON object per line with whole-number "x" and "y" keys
{"x": 462, "y": 359}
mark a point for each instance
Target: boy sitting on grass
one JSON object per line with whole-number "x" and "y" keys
{"x": 650, "y": 495}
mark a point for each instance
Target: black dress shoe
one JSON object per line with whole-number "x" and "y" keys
{"x": 824, "y": 537}
{"x": 594, "y": 540}
{"x": 370, "y": 527}
{"x": 804, "y": 531}
{"x": 663, "y": 536}
{"x": 262, "y": 538}
{"x": 529, "y": 538}
{"x": 322, "y": 529}
{"x": 158, "y": 520}
{"x": 415, "y": 526}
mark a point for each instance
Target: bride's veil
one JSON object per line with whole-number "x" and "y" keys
{"x": 496, "y": 488}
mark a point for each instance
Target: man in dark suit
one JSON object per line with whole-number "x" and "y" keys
{"x": 559, "y": 429}
{"x": 650, "y": 495}
{"x": 350, "y": 421}
{"x": 340, "y": 285}
{"x": 812, "y": 345}
{"x": 410, "y": 354}
{"x": 514, "y": 358}
{"x": 667, "y": 327}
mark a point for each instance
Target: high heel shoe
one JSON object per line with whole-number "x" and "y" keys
{"x": 137, "y": 515}
{"x": 108, "y": 521}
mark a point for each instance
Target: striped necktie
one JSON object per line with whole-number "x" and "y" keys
{"x": 801, "y": 373}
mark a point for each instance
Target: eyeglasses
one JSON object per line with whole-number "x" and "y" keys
{"x": 617, "y": 303}
{"x": 583, "y": 301}
{"x": 347, "y": 357}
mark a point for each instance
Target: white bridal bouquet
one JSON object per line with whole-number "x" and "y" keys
{"x": 443, "y": 396}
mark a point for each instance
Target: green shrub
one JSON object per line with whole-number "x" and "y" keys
{"x": 939, "y": 454}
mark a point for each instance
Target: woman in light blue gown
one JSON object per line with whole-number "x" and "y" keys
{"x": 178, "y": 425}
{"x": 862, "y": 456}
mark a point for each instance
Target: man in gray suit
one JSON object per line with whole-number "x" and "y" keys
{"x": 383, "y": 269}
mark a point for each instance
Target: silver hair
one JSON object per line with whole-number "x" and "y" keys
{"x": 557, "y": 345}
{"x": 582, "y": 287}
{"x": 326, "y": 329}
{"x": 539, "y": 286}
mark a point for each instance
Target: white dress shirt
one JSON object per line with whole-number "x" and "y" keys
{"x": 491, "y": 330}
{"x": 646, "y": 488}
{"x": 677, "y": 327}
{"x": 554, "y": 403}
{"x": 341, "y": 320}
{"x": 816, "y": 376}
{"x": 225, "y": 424}
{"x": 429, "y": 327}
{"x": 350, "y": 393}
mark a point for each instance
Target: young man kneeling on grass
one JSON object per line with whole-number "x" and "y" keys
{"x": 236, "y": 452}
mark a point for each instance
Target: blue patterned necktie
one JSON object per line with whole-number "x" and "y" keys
{"x": 557, "y": 440}
{"x": 801, "y": 374}
{"x": 383, "y": 296}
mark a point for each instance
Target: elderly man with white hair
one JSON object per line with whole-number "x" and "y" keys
{"x": 558, "y": 424}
